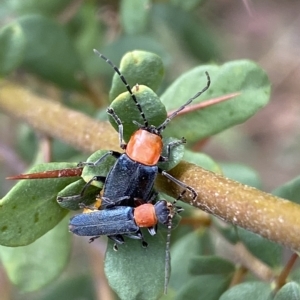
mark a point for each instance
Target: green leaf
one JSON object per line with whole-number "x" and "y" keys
{"x": 75, "y": 188}
{"x": 198, "y": 243}
{"x": 176, "y": 154}
{"x": 12, "y": 47}
{"x": 202, "y": 160}
{"x": 229, "y": 232}
{"x": 32, "y": 267}
{"x": 30, "y": 209}
{"x": 101, "y": 169}
{"x": 248, "y": 291}
{"x": 135, "y": 272}
{"x": 241, "y": 173}
{"x": 88, "y": 35}
{"x": 49, "y": 51}
{"x": 138, "y": 67}
{"x": 127, "y": 111}
{"x": 135, "y": 15}
{"x": 196, "y": 38}
{"x": 238, "y": 76}
{"x": 79, "y": 286}
{"x": 44, "y": 7}
{"x": 210, "y": 287}
{"x": 290, "y": 291}
{"x": 187, "y": 4}
{"x": 209, "y": 265}
{"x": 267, "y": 251}
{"x": 290, "y": 190}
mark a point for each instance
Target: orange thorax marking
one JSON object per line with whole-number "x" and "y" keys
{"x": 144, "y": 215}
{"x": 144, "y": 147}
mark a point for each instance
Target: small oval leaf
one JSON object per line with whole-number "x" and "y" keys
{"x": 290, "y": 291}
{"x": 249, "y": 291}
{"x": 138, "y": 67}
{"x": 209, "y": 265}
{"x": 267, "y": 251}
{"x": 208, "y": 287}
{"x": 127, "y": 111}
{"x": 135, "y": 15}
{"x": 237, "y": 76}
{"x": 134, "y": 272}
{"x": 197, "y": 242}
{"x": 12, "y": 48}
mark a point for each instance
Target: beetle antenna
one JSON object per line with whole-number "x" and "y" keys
{"x": 175, "y": 113}
{"x": 168, "y": 257}
{"x": 126, "y": 85}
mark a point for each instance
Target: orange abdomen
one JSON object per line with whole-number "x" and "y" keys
{"x": 144, "y": 215}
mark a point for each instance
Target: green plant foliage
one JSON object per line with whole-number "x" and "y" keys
{"x": 135, "y": 15}
{"x": 209, "y": 265}
{"x": 197, "y": 243}
{"x": 290, "y": 190}
{"x": 267, "y": 251}
{"x": 127, "y": 111}
{"x": 290, "y": 291}
{"x": 138, "y": 67}
{"x": 208, "y": 276}
{"x": 54, "y": 40}
{"x": 88, "y": 35}
{"x": 130, "y": 43}
{"x": 32, "y": 267}
{"x": 241, "y": 173}
{"x": 43, "y": 7}
{"x": 202, "y": 160}
{"x": 209, "y": 287}
{"x": 248, "y": 291}
{"x": 135, "y": 272}
{"x": 76, "y": 287}
{"x": 229, "y": 232}
{"x": 26, "y": 136}
{"x": 47, "y": 46}
{"x": 101, "y": 169}
{"x": 176, "y": 154}
{"x": 75, "y": 188}
{"x": 186, "y": 5}
{"x": 12, "y": 48}
{"x": 188, "y": 32}
{"x": 30, "y": 209}
{"x": 238, "y": 76}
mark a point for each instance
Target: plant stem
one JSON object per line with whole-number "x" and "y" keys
{"x": 272, "y": 217}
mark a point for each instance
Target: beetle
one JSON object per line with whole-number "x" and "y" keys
{"x": 134, "y": 172}
{"x": 123, "y": 220}
{"x": 126, "y": 220}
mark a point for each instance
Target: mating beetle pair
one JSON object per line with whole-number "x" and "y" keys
{"x": 134, "y": 172}
{"x": 127, "y": 199}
